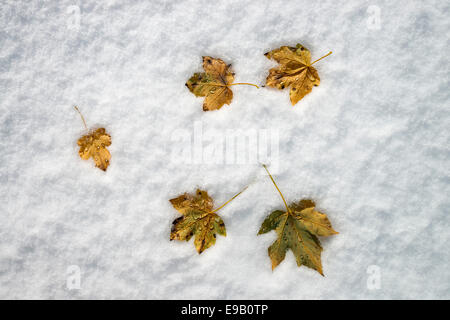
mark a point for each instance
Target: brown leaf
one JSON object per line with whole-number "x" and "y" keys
{"x": 295, "y": 71}
{"x": 94, "y": 145}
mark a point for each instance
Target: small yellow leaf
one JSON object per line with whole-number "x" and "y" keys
{"x": 94, "y": 145}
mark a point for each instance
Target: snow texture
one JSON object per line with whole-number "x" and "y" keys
{"x": 370, "y": 145}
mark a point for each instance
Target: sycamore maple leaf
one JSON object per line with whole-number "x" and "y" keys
{"x": 94, "y": 145}
{"x": 213, "y": 84}
{"x": 198, "y": 219}
{"x": 295, "y": 70}
{"x": 297, "y": 229}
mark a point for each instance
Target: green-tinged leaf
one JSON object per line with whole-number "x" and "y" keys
{"x": 297, "y": 229}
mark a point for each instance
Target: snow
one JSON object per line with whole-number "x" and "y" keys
{"x": 370, "y": 145}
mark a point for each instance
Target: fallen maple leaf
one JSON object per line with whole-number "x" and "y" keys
{"x": 297, "y": 229}
{"x": 198, "y": 218}
{"x": 213, "y": 84}
{"x": 295, "y": 70}
{"x": 94, "y": 145}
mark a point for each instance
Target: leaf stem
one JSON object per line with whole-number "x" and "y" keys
{"x": 322, "y": 57}
{"x": 239, "y": 83}
{"x": 215, "y": 210}
{"x": 82, "y": 118}
{"x": 282, "y": 197}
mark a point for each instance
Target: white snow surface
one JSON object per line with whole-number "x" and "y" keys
{"x": 370, "y": 145}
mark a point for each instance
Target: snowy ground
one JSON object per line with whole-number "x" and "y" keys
{"x": 370, "y": 145}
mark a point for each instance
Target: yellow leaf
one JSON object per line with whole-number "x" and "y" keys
{"x": 295, "y": 71}
{"x": 94, "y": 145}
{"x": 213, "y": 84}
